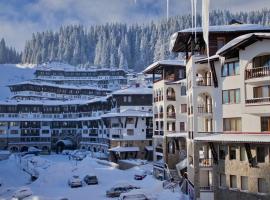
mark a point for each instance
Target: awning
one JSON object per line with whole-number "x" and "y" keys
{"x": 124, "y": 149}
{"x": 235, "y": 138}
{"x": 182, "y": 164}
{"x": 177, "y": 135}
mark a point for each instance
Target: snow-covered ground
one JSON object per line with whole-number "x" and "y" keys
{"x": 55, "y": 170}
{"x": 13, "y": 73}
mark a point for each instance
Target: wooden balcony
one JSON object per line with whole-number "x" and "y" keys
{"x": 257, "y": 72}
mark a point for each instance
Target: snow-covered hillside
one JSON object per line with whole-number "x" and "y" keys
{"x": 12, "y": 73}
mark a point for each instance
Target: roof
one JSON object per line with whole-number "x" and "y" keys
{"x": 134, "y": 90}
{"x": 235, "y": 138}
{"x": 179, "y": 39}
{"x": 124, "y": 149}
{"x": 150, "y": 68}
{"x": 242, "y": 42}
{"x": 205, "y": 59}
{"x": 128, "y": 113}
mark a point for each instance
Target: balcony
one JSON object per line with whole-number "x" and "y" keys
{"x": 203, "y": 81}
{"x": 171, "y": 115}
{"x": 156, "y": 116}
{"x": 258, "y": 100}
{"x": 171, "y": 98}
{"x": 161, "y": 115}
{"x": 257, "y": 72}
{"x": 206, "y": 162}
{"x": 204, "y": 109}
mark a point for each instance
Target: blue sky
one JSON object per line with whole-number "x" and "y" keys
{"x": 20, "y": 18}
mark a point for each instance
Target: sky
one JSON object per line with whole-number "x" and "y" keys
{"x": 20, "y": 18}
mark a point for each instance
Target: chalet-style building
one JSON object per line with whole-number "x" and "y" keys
{"x": 169, "y": 109}
{"x": 228, "y": 112}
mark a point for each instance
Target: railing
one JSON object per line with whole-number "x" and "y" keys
{"x": 170, "y": 97}
{"x": 205, "y": 162}
{"x": 257, "y": 72}
{"x": 206, "y": 188}
{"x": 203, "y": 81}
{"x": 258, "y": 100}
{"x": 171, "y": 115}
{"x": 156, "y": 115}
{"x": 203, "y": 109}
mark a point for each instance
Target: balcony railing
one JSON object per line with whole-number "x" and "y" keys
{"x": 206, "y": 188}
{"x": 205, "y": 162}
{"x": 257, "y": 72}
{"x": 204, "y": 109}
{"x": 171, "y": 115}
{"x": 171, "y": 98}
{"x": 258, "y": 100}
{"x": 203, "y": 81}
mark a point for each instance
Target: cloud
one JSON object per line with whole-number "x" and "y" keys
{"x": 20, "y": 18}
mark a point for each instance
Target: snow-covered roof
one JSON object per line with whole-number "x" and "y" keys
{"x": 134, "y": 90}
{"x": 205, "y": 59}
{"x": 151, "y": 67}
{"x": 228, "y": 28}
{"x": 242, "y": 39}
{"x": 58, "y": 66}
{"x": 40, "y": 83}
{"x": 128, "y": 113}
{"x": 124, "y": 149}
{"x": 235, "y": 138}
{"x": 177, "y": 135}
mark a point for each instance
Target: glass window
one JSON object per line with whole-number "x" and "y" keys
{"x": 183, "y": 108}
{"x": 233, "y": 181}
{"x": 231, "y": 69}
{"x": 237, "y": 96}
{"x": 225, "y": 97}
{"x": 260, "y": 154}
{"x": 262, "y": 185}
{"x": 244, "y": 183}
{"x": 243, "y": 155}
{"x": 222, "y": 152}
{"x": 265, "y": 124}
{"x": 222, "y": 180}
{"x": 232, "y": 153}
{"x": 224, "y": 70}
{"x": 232, "y": 96}
{"x": 182, "y": 126}
{"x": 237, "y": 68}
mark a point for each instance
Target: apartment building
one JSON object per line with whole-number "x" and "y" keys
{"x": 228, "y": 112}
{"x": 169, "y": 109}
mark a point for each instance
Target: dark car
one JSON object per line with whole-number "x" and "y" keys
{"x": 140, "y": 175}
{"x": 91, "y": 179}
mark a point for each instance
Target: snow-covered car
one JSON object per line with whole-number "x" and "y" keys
{"x": 138, "y": 194}
{"x": 116, "y": 190}
{"x": 91, "y": 179}
{"x": 75, "y": 181}
{"x": 140, "y": 175}
{"x": 66, "y": 152}
{"x": 22, "y": 193}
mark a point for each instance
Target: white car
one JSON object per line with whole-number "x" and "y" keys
{"x": 137, "y": 194}
{"x": 22, "y": 193}
{"x": 75, "y": 181}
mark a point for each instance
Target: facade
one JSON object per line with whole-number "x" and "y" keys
{"x": 169, "y": 108}
{"x": 228, "y": 115}
{"x": 58, "y": 81}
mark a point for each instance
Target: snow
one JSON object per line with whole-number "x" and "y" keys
{"x": 124, "y": 149}
{"x": 134, "y": 90}
{"x": 11, "y": 73}
{"x": 53, "y": 180}
{"x": 239, "y": 40}
{"x": 231, "y": 137}
{"x": 150, "y": 68}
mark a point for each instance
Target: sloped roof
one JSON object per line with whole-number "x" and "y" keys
{"x": 157, "y": 64}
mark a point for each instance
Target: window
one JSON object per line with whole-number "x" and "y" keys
{"x": 183, "y": 108}
{"x": 262, "y": 185}
{"x": 265, "y": 124}
{"x": 130, "y": 120}
{"x": 14, "y": 131}
{"x": 222, "y": 180}
{"x": 222, "y": 152}
{"x": 220, "y": 42}
{"x": 244, "y": 183}
{"x": 125, "y": 99}
{"x": 261, "y": 61}
{"x": 260, "y": 154}
{"x": 232, "y": 153}
{"x": 231, "y": 96}
{"x": 129, "y": 99}
{"x": 233, "y": 181}
{"x": 230, "y": 69}
{"x": 232, "y": 124}
{"x": 130, "y": 132}
{"x": 182, "y": 127}
{"x": 261, "y": 91}
{"x": 183, "y": 91}
{"x": 243, "y": 155}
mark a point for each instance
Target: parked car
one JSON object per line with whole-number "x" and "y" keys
{"x": 22, "y": 193}
{"x": 140, "y": 175}
{"x": 91, "y": 179}
{"x": 116, "y": 190}
{"x": 138, "y": 194}
{"x": 75, "y": 181}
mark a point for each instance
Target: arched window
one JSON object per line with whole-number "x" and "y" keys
{"x": 170, "y": 111}
{"x": 170, "y": 94}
